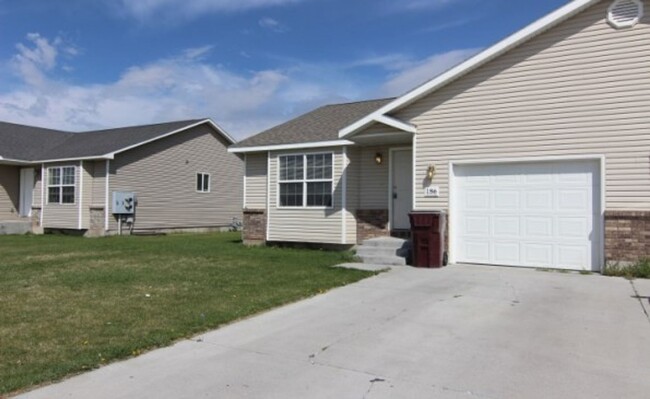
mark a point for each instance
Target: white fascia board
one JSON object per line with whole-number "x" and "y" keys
{"x": 483, "y": 57}
{"x": 205, "y": 121}
{"x": 397, "y": 124}
{"x": 299, "y": 146}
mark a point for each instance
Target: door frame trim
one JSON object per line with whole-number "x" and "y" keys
{"x": 600, "y": 158}
{"x": 390, "y": 181}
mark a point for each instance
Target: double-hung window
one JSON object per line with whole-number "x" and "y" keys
{"x": 203, "y": 182}
{"x": 61, "y": 185}
{"x": 306, "y": 180}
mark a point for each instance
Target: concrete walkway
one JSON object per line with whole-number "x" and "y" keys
{"x": 460, "y": 332}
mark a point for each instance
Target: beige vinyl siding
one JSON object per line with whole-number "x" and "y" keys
{"x": 9, "y": 192}
{"x": 374, "y": 178}
{"x": 306, "y": 225}
{"x": 99, "y": 184}
{"x": 62, "y": 216}
{"x": 256, "y": 180}
{"x": 163, "y": 176}
{"x": 581, "y": 88}
{"x": 353, "y": 178}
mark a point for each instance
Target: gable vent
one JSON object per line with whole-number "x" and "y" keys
{"x": 625, "y": 13}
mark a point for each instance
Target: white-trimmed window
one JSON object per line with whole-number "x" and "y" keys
{"x": 61, "y": 185}
{"x": 305, "y": 180}
{"x": 203, "y": 182}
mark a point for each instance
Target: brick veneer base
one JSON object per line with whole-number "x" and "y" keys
{"x": 372, "y": 223}
{"x": 254, "y": 231}
{"x": 627, "y": 236}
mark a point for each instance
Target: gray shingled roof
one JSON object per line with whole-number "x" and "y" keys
{"x": 28, "y": 143}
{"x": 322, "y": 124}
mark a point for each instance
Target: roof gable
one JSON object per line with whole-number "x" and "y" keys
{"x": 514, "y": 40}
{"x": 25, "y": 143}
{"x": 319, "y": 125}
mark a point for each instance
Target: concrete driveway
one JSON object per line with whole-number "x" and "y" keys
{"x": 461, "y": 332}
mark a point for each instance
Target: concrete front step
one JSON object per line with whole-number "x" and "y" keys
{"x": 385, "y": 251}
{"x": 386, "y": 242}
{"x": 384, "y": 260}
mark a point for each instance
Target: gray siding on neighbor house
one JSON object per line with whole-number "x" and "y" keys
{"x": 256, "y": 180}
{"x": 99, "y": 184}
{"x": 163, "y": 176}
{"x": 62, "y": 216}
{"x": 581, "y": 88}
{"x": 9, "y": 192}
{"x": 304, "y": 224}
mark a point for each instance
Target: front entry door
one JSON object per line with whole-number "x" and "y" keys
{"x": 402, "y": 195}
{"x": 26, "y": 191}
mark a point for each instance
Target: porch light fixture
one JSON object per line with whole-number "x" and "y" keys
{"x": 379, "y": 158}
{"x": 431, "y": 172}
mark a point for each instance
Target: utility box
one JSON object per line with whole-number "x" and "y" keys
{"x": 124, "y": 203}
{"x": 428, "y": 235}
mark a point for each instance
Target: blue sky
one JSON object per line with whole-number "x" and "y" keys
{"x": 248, "y": 64}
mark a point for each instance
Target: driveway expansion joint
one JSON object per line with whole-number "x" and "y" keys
{"x": 640, "y": 299}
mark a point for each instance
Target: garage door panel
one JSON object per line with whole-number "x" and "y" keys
{"x": 539, "y": 200}
{"x": 538, "y": 227}
{"x": 573, "y": 227}
{"x": 477, "y": 251}
{"x": 506, "y": 253}
{"x": 477, "y": 225}
{"x": 507, "y": 226}
{"x": 477, "y": 199}
{"x": 529, "y": 214}
{"x": 575, "y": 200}
{"x": 506, "y": 199}
{"x": 537, "y": 255}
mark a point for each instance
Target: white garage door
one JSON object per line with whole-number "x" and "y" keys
{"x": 528, "y": 214}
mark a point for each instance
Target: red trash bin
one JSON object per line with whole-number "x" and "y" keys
{"x": 428, "y": 236}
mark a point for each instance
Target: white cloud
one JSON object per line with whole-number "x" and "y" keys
{"x": 31, "y": 63}
{"x": 272, "y": 25}
{"x": 188, "y": 86}
{"x": 181, "y": 87}
{"x": 145, "y": 9}
{"x": 424, "y": 70}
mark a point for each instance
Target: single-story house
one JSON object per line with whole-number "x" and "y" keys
{"x": 181, "y": 174}
{"x": 538, "y": 149}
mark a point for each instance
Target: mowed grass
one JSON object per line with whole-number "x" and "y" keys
{"x": 70, "y": 304}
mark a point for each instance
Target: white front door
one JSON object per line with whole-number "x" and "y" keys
{"x": 402, "y": 190}
{"x": 26, "y": 191}
{"x": 543, "y": 214}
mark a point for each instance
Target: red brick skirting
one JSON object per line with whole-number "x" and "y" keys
{"x": 372, "y": 223}
{"x": 627, "y": 236}
{"x": 254, "y": 231}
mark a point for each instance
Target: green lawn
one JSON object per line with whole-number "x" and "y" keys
{"x": 69, "y": 304}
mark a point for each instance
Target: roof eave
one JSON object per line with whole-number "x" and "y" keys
{"x": 295, "y": 146}
{"x": 478, "y": 60}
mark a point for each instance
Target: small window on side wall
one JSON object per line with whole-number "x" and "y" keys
{"x": 202, "y": 182}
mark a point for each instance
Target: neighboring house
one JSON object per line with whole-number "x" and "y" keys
{"x": 538, "y": 148}
{"x": 181, "y": 173}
